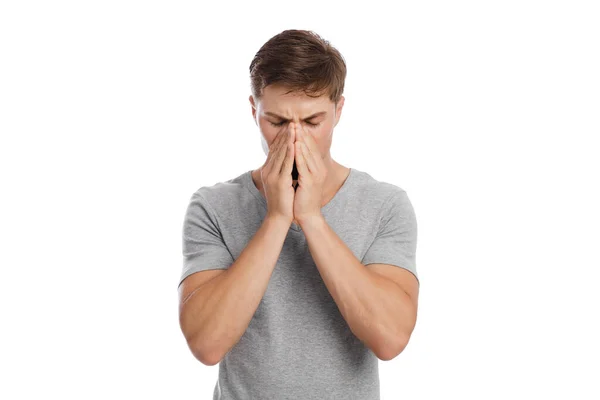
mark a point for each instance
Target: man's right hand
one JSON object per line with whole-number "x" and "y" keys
{"x": 276, "y": 175}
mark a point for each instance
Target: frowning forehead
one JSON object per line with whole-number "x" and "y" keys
{"x": 276, "y": 102}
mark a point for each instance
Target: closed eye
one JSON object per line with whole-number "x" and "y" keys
{"x": 283, "y": 122}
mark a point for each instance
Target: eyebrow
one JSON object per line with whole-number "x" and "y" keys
{"x": 286, "y": 119}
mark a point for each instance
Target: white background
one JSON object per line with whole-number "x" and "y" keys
{"x": 113, "y": 113}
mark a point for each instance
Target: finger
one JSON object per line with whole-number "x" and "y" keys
{"x": 309, "y": 140}
{"x": 288, "y": 163}
{"x": 281, "y": 151}
{"x": 308, "y": 158}
{"x": 300, "y": 160}
{"x": 305, "y": 147}
{"x": 312, "y": 154}
{"x": 273, "y": 150}
{"x": 275, "y": 145}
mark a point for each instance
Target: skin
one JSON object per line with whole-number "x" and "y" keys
{"x": 296, "y": 108}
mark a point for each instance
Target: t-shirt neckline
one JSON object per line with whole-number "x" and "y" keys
{"x": 249, "y": 183}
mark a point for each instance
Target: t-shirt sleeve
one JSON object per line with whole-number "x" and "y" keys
{"x": 203, "y": 245}
{"x": 396, "y": 240}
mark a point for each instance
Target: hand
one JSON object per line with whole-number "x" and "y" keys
{"x": 311, "y": 176}
{"x": 276, "y": 176}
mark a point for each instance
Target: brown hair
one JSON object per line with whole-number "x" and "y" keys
{"x": 300, "y": 60}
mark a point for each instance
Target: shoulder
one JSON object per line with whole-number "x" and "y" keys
{"x": 381, "y": 194}
{"x": 220, "y": 195}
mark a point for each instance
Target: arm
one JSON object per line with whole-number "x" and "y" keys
{"x": 376, "y": 309}
{"x": 215, "y": 316}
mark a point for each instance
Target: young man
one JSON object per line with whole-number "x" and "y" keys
{"x": 299, "y": 275}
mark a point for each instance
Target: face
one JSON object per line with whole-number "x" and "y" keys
{"x": 318, "y": 115}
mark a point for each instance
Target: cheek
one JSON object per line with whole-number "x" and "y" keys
{"x": 319, "y": 133}
{"x": 268, "y": 131}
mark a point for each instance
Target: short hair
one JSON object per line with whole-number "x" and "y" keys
{"x": 299, "y": 60}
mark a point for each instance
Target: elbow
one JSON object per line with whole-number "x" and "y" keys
{"x": 204, "y": 353}
{"x": 389, "y": 350}
{"x": 209, "y": 361}
{"x": 203, "y": 350}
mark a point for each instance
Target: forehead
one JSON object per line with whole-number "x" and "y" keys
{"x": 276, "y": 100}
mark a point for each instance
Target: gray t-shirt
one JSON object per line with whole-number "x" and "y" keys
{"x": 297, "y": 345}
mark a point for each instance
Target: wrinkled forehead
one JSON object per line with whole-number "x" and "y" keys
{"x": 277, "y": 97}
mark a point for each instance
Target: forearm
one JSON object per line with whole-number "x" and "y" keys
{"x": 222, "y": 309}
{"x": 377, "y": 311}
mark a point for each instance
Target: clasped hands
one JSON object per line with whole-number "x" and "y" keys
{"x": 312, "y": 174}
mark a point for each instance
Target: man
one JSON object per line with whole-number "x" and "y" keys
{"x": 298, "y": 276}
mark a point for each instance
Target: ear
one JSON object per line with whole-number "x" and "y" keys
{"x": 338, "y": 110}
{"x": 251, "y": 98}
